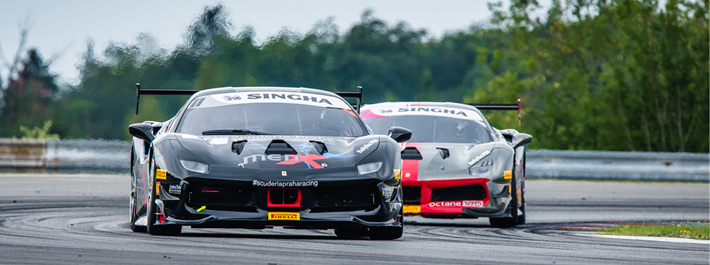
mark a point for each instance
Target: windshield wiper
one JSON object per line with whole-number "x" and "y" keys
{"x": 234, "y": 132}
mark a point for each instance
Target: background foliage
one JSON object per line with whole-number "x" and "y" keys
{"x": 592, "y": 74}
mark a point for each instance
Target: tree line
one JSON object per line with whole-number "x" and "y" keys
{"x": 592, "y": 75}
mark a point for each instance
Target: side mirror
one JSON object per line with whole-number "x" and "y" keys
{"x": 520, "y": 139}
{"x": 142, "y": 131}
{"x": 399, "y": 134}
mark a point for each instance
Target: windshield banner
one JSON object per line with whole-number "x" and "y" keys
{"x": 386, "y": 110}
{"x": 273, "y": 97}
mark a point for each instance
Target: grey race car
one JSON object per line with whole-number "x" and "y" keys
{"x": 456, "y": 164}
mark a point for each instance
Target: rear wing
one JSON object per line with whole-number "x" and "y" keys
{"x": 500, "y": 107}
{"x": 183, "y": 92}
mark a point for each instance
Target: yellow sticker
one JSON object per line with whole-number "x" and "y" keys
{"x": 397, "y": 174}
{"x": 507, "y": 174}
{"x": 201, "y": 208}
{"x": 157, "y": 188}
{"x": 412, "y": 209}
{"x": 161, "y": 174}
{"x": 284, "y": 216}
{"x": 406, "y": 175}
{"x": 283, "y": 173}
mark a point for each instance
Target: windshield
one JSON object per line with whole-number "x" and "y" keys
{"x": 271, "y": 118}
{"x": 434, "y": 129}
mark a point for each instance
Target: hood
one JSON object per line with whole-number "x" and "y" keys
{"x": 445, "y": 160}
{"x": 275, "y": 152}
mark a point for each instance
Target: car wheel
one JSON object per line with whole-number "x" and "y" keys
{"x": 152, "y": 213}
{"x": 388, "y": 233}
{"x": 385, "y": 233}
{"x": 351, "y": 232}
{"x": 507, "y": 222}
{"x": 521, "y": 217}
{"x": 133, "y": 213}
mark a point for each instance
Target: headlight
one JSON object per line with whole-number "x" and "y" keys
{"x": 195, "y": 166}
{"x": 480, "y": 169}
{"x": 388, "y": 191}
{"x": 368, "y": 168}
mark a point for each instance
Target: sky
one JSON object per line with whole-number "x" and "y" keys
{"x": 59, "y": 29}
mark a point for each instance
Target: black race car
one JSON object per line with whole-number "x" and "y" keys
{"x": 259, "y": 157}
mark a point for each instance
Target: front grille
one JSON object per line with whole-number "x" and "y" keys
{"x": 470, "y": 192}
{"x": 412, "y": 194}
{"x": 344, "y": 198}
{"x": 283, "y": 196}
{"x": 221, "y": 197}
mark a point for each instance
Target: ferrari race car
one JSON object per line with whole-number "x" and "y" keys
{"x": 259, "y": 157}
{"x": 456, "y": 165}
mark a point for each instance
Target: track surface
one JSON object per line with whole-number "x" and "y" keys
{"x": 76, "y": 219}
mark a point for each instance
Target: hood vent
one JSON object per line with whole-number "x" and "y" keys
{"x": 238, "y": 146}
{"x": 280, "y": 147}
{"x": 411, "y": 153}
{"x": 320, "y": 147}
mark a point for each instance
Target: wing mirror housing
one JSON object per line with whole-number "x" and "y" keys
{"x": 142, "y": 131}
{"x": 399, "y": 134}
{"x": 520, "y": 139}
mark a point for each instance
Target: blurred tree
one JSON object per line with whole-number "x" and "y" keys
{"x": 618, "y": 75}
{"x": 28, "y": 95}
{"x": 604, "y": 75}
{"x": 211, "y": 24}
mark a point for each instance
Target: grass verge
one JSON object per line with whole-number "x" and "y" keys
{"x": 701, "y": 232}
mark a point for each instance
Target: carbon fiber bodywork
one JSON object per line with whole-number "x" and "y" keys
{"x": 251, "y": 180}
{"x": 445, "y": 176}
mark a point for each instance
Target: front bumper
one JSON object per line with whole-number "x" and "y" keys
{"x": 260, "y": 219}
{"x": 456, "y": 198}
{"x": 204, "y": 203}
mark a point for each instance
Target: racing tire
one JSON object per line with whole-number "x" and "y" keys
{"x": 152, "y": 227}
{"x": 512, "y": 221}
{"x": 385, "y": 233}
{"x": 351, "y": 232}
{"x": 388, "y": 233}
{"x": 134, "y": 215}
{"x": 521, "y": 217}
{"x": 132, "y": 203}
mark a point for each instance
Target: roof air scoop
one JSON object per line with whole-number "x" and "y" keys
{"x": 280, "y": 147}
{"x": 411, "y": 153}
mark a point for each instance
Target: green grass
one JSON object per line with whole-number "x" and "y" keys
{"x": 701, "y": 232}
{"x": 615, "y": 181}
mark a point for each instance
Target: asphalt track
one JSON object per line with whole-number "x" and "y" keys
{"x": 82, "y": 219}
